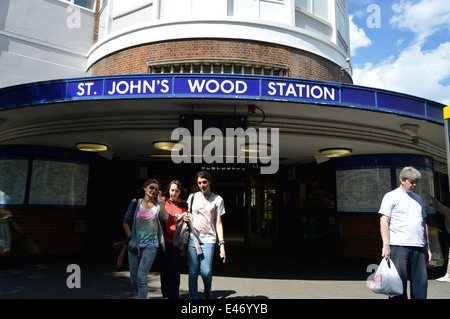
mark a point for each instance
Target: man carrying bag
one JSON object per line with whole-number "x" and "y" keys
{"x": 405, "y": 233}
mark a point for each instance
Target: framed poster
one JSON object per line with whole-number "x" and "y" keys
{"x": 13, "y": 181}
{"x": 58, "y": 183}
{"x": 362, "y": 189}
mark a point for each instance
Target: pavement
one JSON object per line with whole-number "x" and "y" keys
{"x": 256, "y": 274}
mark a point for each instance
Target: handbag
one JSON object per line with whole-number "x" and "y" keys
{"x": 387, "y": 280}
{"x": 120, "y": 249}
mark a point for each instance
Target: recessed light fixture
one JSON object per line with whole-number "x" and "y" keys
{"x": 167, "y": 145}
{"x": 92, "y": 147}
{"x": 255, "y": 147}
{"x": 335, "y": 152}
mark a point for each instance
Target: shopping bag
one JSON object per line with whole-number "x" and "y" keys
{"x": 5, "y": 238}
{"x": 387, "y": 280}
{"x": 120, "y": 249}
{"x": 437, "y": 258}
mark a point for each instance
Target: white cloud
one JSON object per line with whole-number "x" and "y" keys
{"x": 424, "y": 18}
{"x": 358, "y": 37}
{"x": 415, "y": 72}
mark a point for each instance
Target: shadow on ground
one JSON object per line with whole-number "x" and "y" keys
{"x": 46, "y": 277}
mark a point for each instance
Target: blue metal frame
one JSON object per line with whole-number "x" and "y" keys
{"x": 262, "y": 88}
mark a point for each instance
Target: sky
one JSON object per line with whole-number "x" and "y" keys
{"x": 402, "y": 46}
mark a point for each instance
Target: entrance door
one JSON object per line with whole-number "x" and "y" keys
{"x": 262, "y": 207}
{"x": 229, "y": 183}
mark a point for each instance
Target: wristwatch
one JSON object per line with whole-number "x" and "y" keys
{"x": 222, "y": 242}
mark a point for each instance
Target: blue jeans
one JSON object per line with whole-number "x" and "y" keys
{"x": 139, "y": 269}
{"x": 411, "y": 264}
{"x": 199, "y": 265}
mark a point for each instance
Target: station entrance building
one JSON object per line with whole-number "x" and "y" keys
{"x": 124, "y": 75}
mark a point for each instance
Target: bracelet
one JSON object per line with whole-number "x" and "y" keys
{"x": 160, "y": 201}
{"x": 222, "y": 242}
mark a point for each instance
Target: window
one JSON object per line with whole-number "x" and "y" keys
{"x": 88, "y": 4}
{"x": 342, "y": 21}
{"x": 316, "y": 7}
{"x": 216, "y": 66}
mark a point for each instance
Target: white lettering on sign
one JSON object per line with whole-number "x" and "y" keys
{"x": 139, "y": 87}
{"x": 205, "y": 86}
{"x": 213, "y": 86}
{"x": 301, "y": 91}
{"x": 85, "y": 88}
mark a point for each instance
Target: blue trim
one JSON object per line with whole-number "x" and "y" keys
{"x": 219, "y": 86}
{"x": 383, "y": 160}
{"x": 44, "y": 152}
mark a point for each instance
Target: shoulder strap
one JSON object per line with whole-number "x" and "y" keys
{"x": 136, "y": 206}
{"x": 192, "y": 200}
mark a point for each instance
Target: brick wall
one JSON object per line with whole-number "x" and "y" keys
{"x": 301, "y": 64}
{"x": 45, "y": 231}
{"x": 359, "y": 237}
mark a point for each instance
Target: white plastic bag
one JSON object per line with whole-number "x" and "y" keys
{"x": 387, "y": 280}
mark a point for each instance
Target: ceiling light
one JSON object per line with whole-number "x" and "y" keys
{"x": 335, "y": 152}
{"x": 167, "y": 145}
{"x": 92, "y": 147}
{"x": 255, "y": 147}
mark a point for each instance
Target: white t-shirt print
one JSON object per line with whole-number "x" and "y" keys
{"x": 205, "y": 211}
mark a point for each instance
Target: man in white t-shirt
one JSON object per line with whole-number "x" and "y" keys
{"x": 405, "y": 233}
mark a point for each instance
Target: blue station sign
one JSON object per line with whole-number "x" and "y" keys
{"x": 203, "y": 87}
{"x": 218, "y": 86}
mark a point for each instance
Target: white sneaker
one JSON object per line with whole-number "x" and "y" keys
{"x": 443, "y": 279}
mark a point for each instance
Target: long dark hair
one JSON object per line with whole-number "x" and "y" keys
{"x": 141, "y": 191}
{"x": 180, "y": 188}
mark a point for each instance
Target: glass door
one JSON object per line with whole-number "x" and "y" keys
{"x": 262, "y": 207}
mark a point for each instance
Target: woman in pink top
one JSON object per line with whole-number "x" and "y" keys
{"x": 142, "y": 225}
